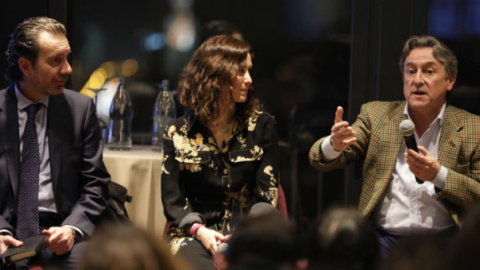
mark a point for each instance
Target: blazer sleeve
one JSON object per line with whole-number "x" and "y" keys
{"x": 94, "y": 180}
{"x": 362, "y": 127}
{"x": 462, "y": 187}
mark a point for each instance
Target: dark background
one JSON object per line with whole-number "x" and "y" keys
{"x": 309, "y": 57}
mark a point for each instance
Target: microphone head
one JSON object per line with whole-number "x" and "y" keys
{"x": 407, "y": 127}
{"x": 222, "y": 248}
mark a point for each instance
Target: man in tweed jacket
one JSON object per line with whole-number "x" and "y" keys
{"x": 448, "y": 144}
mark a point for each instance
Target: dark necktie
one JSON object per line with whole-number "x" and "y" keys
{"x": 27, "y": 206}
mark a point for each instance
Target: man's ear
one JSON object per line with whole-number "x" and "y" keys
{"x": 451, "y": 81}
{"x": 25, "y": 65}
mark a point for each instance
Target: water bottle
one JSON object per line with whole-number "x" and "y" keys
{"x": 120, "y": 128}
{"x": 164, "y": 113}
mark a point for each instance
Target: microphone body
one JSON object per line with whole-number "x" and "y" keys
{"x": 407, "y": 128}
{"x": 411, "y": 142}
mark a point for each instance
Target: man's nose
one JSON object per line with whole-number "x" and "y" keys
{"x": 66, "y": 68}
{"x": 419, "y": 76}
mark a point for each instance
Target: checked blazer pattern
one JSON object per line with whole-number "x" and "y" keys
{"x": 378, "y": 143}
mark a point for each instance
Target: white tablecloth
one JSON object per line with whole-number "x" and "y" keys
{"x": 139, "y": 170}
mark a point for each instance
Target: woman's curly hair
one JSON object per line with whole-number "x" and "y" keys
{"x": 210, "y": 73}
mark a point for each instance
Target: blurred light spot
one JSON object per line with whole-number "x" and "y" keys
{"x": 129, "y": 67}
{"x": 97, "y": 79}
{"x": 181, "y": 32}
{"x": 185, "y": 41}
{"x": 154, "y": 42}
{"x": 85, "y": 91}
{"x": 109, "y": 68}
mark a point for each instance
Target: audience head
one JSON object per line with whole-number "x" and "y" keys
{"x": 342, "y": 239}
{"x": 466, "y": 251}
{"x": 427, "y": 252}
{"x": 125, "y": 247}
{"x": 440, "y": 51}
{"x": 264, "y": 241}
{"x": 23, "y": 43}
{"x": 209, "y": 78}
{"x": 262, "y": 208}
{"x": 221, "y": 27}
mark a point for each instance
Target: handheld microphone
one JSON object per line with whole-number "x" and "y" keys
{"x": 407, "y": 128}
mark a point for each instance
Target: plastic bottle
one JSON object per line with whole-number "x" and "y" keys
{"x": 164, "y": 113}
{"x": 120, "y": 128}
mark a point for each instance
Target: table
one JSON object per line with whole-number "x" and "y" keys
{"x": 139, "y": 170}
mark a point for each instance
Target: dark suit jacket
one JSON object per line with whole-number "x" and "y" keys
{"x": 79, "y": 177}
{"x": 379, "y": 141}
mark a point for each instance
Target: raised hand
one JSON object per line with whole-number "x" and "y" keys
{"x": 342, "y": 135}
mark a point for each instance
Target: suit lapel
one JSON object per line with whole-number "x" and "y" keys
{"x": 9, "y": 135}
{"x": 449, "y": 144}
{"x": 57, "y": 130}
{"x": 391, "y": 124}
{"x": 384, "y": 150}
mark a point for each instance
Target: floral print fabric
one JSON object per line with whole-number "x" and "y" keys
{"x": 217, "y": 184}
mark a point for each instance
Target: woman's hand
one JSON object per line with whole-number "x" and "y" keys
{"x": 210, "y": 239}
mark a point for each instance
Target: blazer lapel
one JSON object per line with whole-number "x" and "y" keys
{"x": 392, "y": 123}
{"x": 384, "y": 150}
{"x": 449, "y": 144}
{"x": 9, "y": 135}
{"x": 57, "y": 130}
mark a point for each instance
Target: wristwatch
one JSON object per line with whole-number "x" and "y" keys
{"x": 76, "y": 235}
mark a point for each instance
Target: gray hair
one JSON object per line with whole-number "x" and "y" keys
{"x": 440, "y": 51}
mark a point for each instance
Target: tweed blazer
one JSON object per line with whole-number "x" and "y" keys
{"x": 378, "y": 144}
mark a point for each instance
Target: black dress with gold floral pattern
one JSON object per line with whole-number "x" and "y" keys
{"x": 215, "y": 185}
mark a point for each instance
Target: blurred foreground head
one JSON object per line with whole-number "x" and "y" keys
{"x": 221, "y": 27}
{"x": 342, "y": 239}
{"x": 125, "y": 247}
{"x": 265, "y": 241}
{"x": 466, "y": 251}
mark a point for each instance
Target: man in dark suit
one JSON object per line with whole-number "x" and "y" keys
{"x": 72, "y": 179}
{"x": 448, "y": 161}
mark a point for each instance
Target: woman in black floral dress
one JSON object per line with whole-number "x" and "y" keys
{"x": 222, "y": 157}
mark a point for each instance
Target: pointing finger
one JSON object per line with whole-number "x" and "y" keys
{"x": 339, "y": 114}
